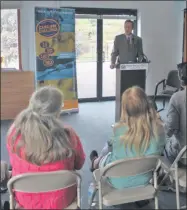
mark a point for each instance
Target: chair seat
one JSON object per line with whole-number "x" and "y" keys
{"x": 181, "y": 171}
{"x": 168, "y": 93}
{"x": 112, "y": 196}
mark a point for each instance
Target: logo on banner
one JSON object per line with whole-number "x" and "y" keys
{"x": 48, "y": 62}
{"x": 48, "y": 28}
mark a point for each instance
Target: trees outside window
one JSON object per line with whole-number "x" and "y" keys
{"x": 10, "y": 46}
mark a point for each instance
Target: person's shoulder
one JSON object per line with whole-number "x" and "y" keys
{"x": 119, "y": 36}
{"x": 10, "y": 134}
{"x": 11, "y": 131}
{"x": 178, "y": 96}
{"x": 137, "y": 37}
{"x": 180, "y": 93}
{"x": 69, "y": 130}
{"x": 119, "y": 128}
{"x": 72, "y": 134}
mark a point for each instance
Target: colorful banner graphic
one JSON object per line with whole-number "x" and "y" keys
{"x": 55, "y": 52}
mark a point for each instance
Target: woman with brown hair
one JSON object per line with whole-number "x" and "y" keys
{"x": 139, "y": 133}
{"x": 38, "y": 142}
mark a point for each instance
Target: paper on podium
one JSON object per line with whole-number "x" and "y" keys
{"x": 134, "y": 66}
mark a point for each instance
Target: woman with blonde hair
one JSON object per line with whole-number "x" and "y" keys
{"x": 38, "y": 142}
{"x": 139, "y": 133}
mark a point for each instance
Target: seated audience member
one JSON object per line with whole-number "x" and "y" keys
{"x": 5, "y": 176}
{"x": 139, "y": 133}
{"x": 176, "y": 118}
{"x": 38, "y": 142}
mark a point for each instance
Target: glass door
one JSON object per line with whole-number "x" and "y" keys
{"x": 95, "y": 33}
{"x": 86, "y": 57}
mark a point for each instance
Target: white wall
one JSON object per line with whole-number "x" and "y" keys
{"x": 161, "y": 30}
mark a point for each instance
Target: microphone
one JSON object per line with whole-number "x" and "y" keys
{"x": 144, "y": 59}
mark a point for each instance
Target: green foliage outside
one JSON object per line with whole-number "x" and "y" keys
{"x": 86, "y": 38}
{"x": 9, "y": 38}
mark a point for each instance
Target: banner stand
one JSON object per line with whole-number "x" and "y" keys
{"x": 69, "y": 111}
{"x": 56, "y": 54}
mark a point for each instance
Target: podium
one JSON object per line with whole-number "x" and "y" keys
{"x": 128, "y": 75}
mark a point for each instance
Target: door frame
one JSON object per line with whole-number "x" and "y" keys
{"x": 102, "y": 11}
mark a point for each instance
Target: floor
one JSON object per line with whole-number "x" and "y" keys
{"x": 93, "y": 124}
{"x": 87, "y": 88}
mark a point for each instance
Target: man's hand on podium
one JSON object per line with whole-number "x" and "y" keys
{"x": 112, "y": 66}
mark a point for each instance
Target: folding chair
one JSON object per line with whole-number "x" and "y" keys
{"x": 176, "y": 174}
{"x": 171, "y": 81}
{"x": 110, "y": 196}
{"x": 45, "y": 182}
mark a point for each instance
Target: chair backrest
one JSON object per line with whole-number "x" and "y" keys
{"x": 173, "y": 79}
{"x": 43, "y": 181}
{"x": 128, "y": 167}
{"x": 182, "y": 156}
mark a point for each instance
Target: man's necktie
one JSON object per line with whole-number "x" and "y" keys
{"x": 128, "y": 43}
{"x": 129, "y": 40}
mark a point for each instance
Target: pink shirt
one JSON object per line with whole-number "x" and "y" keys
{"x": 51, "y": 200}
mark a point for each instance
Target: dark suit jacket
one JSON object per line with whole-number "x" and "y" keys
{"x": 127, "y": 52}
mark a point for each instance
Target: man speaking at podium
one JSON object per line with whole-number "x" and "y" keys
{"x": 127, "y": 47}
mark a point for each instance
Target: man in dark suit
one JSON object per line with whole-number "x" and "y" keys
{"x": 127, "y": 46}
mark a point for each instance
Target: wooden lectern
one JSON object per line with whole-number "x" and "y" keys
{"x": 128, "y": 75}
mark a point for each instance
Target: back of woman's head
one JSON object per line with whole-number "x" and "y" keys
{"x": 41, "y": 133}
{"x": 141, "y": 118}
{"x": 46, "y": 101}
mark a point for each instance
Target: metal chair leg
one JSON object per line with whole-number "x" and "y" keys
{"x": 155, "y": 186}
{"x": 92, "y": 199}
{"x": 164, "y": 103}
{"x": 11, "y": 199}
{"x": 177, "y": 187}
{"x": 79, "y": 194}
{"x": 100, "y": 196}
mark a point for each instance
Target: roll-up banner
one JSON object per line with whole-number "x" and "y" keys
{"x": 55, "y": 52}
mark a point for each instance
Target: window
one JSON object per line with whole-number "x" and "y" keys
{"x": 10, "y": 39}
